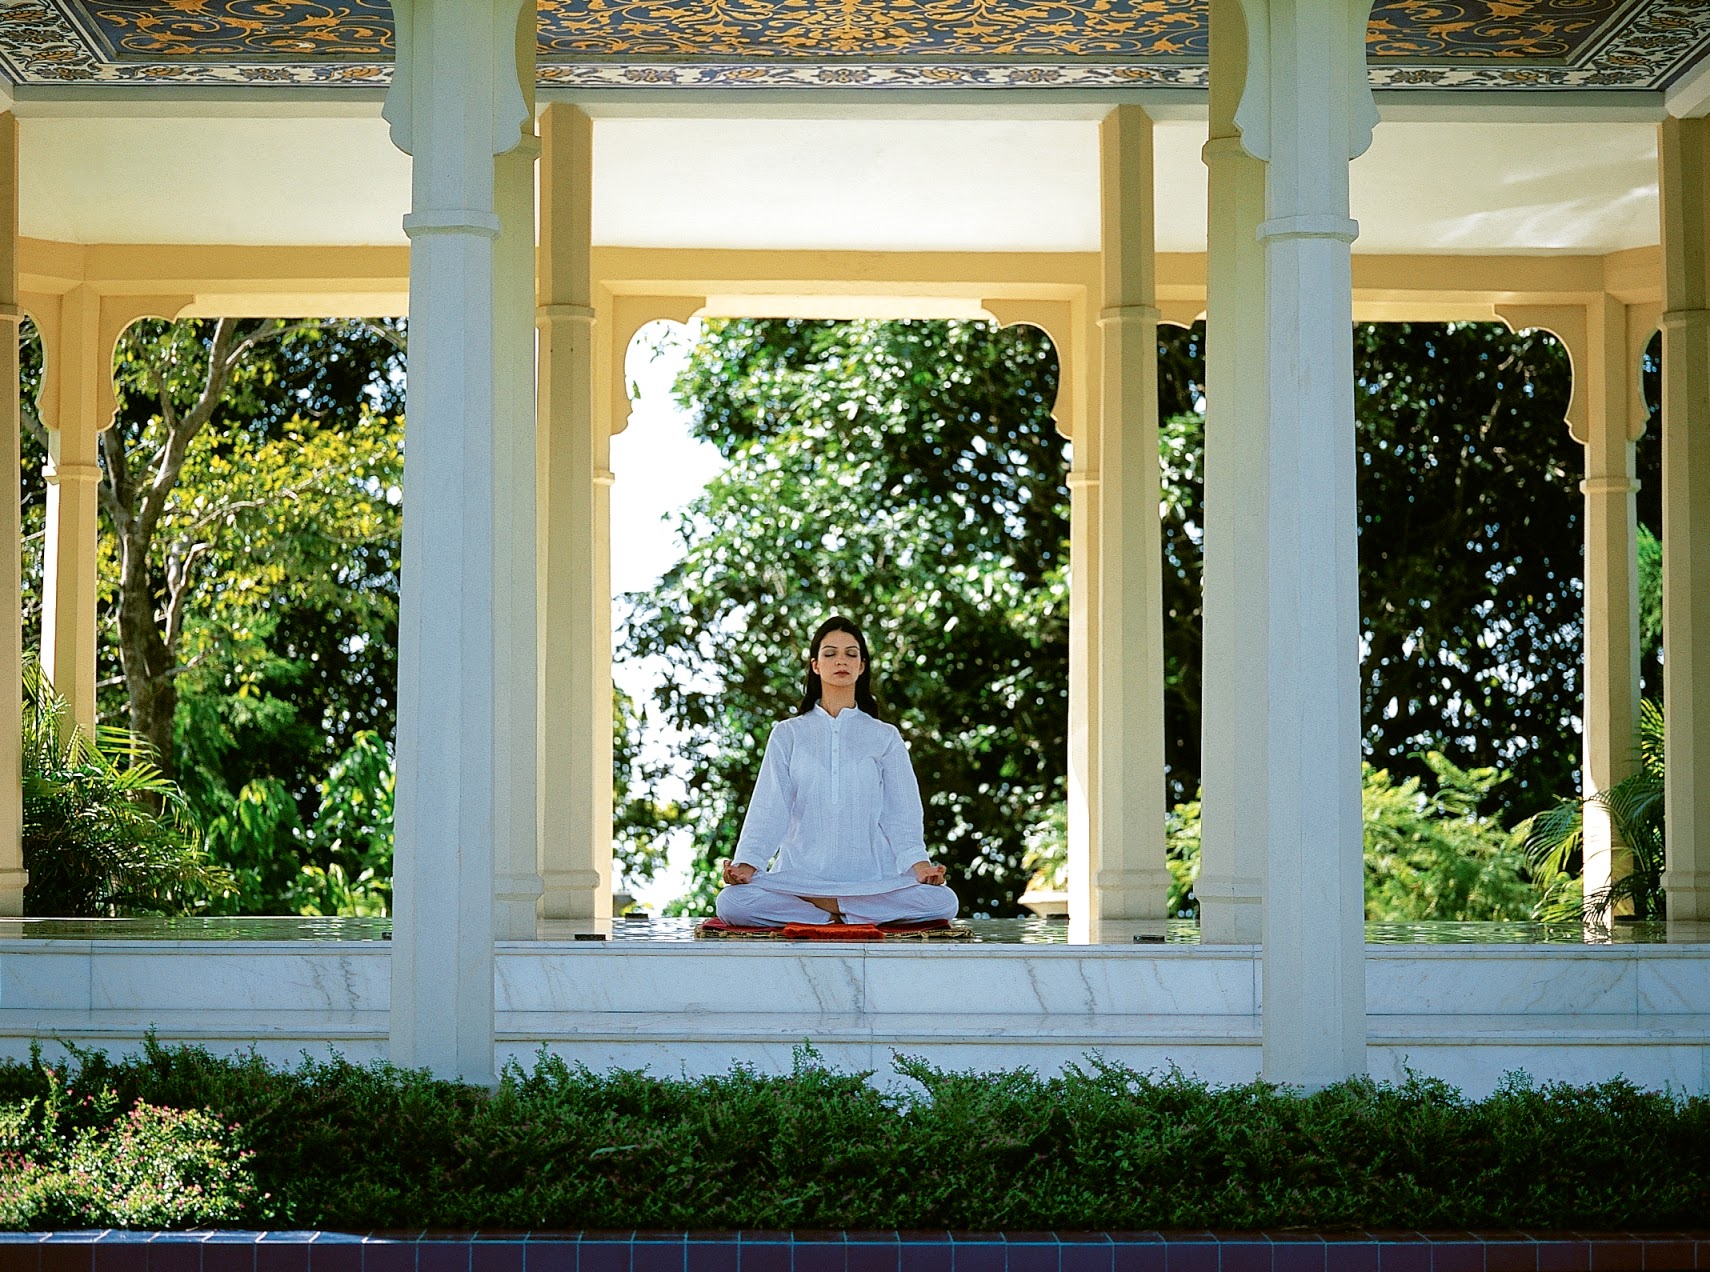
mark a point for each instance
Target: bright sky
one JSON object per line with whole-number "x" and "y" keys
{"x": 659, "y": 470}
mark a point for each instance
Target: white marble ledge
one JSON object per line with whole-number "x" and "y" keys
{"x": 764, "y": 949}
{"x": 1567, "y": 1028}
{"x": 1019, "y": 1031}
{"x": 104, "y": 945}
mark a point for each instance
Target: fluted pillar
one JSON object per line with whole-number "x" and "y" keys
{"x": 1684, "y": 155}
{"x": 1231, "y": 880}
{"x": 1610, "y": 486}
{"x": 12, "y": 876}
{"x": 517, "y": 886}
{"x": 1306, "y": 110}
{"x": 1129, "y": 878}
{"x": 78, "y": 360}
{"x": 455, "y": 103}
{"x": 576, "y": 678}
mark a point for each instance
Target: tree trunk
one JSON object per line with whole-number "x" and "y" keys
{"x": 144, "y": 656}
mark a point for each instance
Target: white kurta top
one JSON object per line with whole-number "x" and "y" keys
{"x": 838, "y": 804}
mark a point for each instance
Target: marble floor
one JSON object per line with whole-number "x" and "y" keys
{"x": 1011, "y": 931}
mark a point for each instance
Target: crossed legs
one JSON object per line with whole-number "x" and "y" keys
{"x": 748, "y": 906}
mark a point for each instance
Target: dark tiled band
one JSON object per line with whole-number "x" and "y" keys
{"x": 852, "y": 1252}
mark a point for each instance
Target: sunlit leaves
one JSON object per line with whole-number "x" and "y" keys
{"x": 907, "y": 474}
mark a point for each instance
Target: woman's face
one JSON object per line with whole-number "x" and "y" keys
{"x": 838, "y": 661}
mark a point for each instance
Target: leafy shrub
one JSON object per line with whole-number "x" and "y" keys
{"x": 150, "y": 1167}
{"x": 1429, "y": 854}
{"x": 1634, "y": 805}
{"x": 336, "y": 1145}
{"x": 104, "y": 832}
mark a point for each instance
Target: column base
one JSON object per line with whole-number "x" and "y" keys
{"x": 1230, "y": 920}
{"x": 1688, "y": 898}
{"x": 12, "y": 884}
{"x": 516, "y": 900}
{"x": 574, "y": 894}
{"x": 1131, "y": 894}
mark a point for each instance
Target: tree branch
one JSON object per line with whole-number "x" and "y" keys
{"x": 33, "y": 422}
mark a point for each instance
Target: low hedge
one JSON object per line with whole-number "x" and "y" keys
{"x": 178, "y": 1137}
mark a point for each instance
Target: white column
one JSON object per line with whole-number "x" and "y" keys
{"x": 12, "y": 876}
{"x": 1684, "y": 154}
{"x": 455, "y": 103}
{"x": 517, "y": 885}
{"x": 1231, "y": 880}
{"x": 576, "y": 679}
{"x": 1129, "y": 878}
{"x": 1611, "y": 713}
{"x": 1307, "y": 110}
{"x": 79, "y": 362}
{"x": 1082, "y": 820}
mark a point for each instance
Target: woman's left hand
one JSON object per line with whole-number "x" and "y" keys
{"x": 926, "y": 872}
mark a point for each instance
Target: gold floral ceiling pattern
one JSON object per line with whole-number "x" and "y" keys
{"x": 1449, "y": 43}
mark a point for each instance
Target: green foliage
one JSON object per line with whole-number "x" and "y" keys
{"x": 339, "y": 863}
{"x": 336, "y": 1145}
{"x": 1634, "y": 805}
{"x": 272, "y": 580}
{"x": 104, "y": 832}
{"x": 1429, "y": 853}
{"x": 1649, "y": 549}
{"x": 1471, "y": 600}
{"x": 1433, "y": 854}
{"x": 95, "y": 1167}
{"x": 907, "y": 474}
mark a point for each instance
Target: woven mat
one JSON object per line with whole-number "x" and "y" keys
{"x": 937, "y": 930}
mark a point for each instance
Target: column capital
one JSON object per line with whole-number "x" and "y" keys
{"x": 1117, "y": 315}
{"x": 1284, "y": 39}
{"x": 440, "y": 44}
{"x": 1219, "y": 149}
{"x": 12, "y": 314}
{"x": 1608, "y": 486}
{"x": 1342, "y": 229}
{"x": 451, "y": 221}
{"x": 1680, "y": 319}
{"x": 63, "y": 472}
{"x": 564, "y": 313}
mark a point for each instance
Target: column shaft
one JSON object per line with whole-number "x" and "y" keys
{"x": 1082, "y": 819}
{"x": 454, "y": 104}
{"x": 1307, "y": 113}
{"x": 1684, "y": 154}
{"x": 576, "y": 681}
{"x": 12, "y": 876}
{"x": 80, "y": 363}
{"x": 1610, "y": 487}
{"x": 517, "y": 885}
{"x": 1232, "y": 717}
{"x": 1129, "y": 877}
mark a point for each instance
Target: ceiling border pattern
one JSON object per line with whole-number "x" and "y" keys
{"x": 1647, "y": 53}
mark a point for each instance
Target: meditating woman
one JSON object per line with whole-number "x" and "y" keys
{"x": 838, "y": 806}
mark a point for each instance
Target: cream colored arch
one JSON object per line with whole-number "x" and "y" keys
{"x": 1605, "y": 340}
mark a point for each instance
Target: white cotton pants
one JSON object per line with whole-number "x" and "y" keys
{"x": 748, "y": 906}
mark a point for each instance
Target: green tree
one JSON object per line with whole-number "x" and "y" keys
{"x": 104, "y": 832}
{"x": 1470, "y": 577}
{"x": 1471, "y": 597}
{"x": 251, "y": 512}
{"x": 907, "y": 474}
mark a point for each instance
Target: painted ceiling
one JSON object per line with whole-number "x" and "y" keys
{"x": 1504, "y": 44}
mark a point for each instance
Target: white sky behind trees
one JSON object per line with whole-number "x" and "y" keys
{"x": 658, "y": 469}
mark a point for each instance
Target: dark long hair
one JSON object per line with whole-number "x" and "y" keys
{"x": 863, "y": 684}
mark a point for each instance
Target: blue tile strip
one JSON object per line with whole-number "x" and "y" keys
{"x": 884, "y": 1251}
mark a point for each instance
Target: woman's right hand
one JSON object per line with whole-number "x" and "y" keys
{"x": 735, "y": 874}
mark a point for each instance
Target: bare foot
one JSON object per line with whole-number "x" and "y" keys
{"x": 829, "y": 905}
